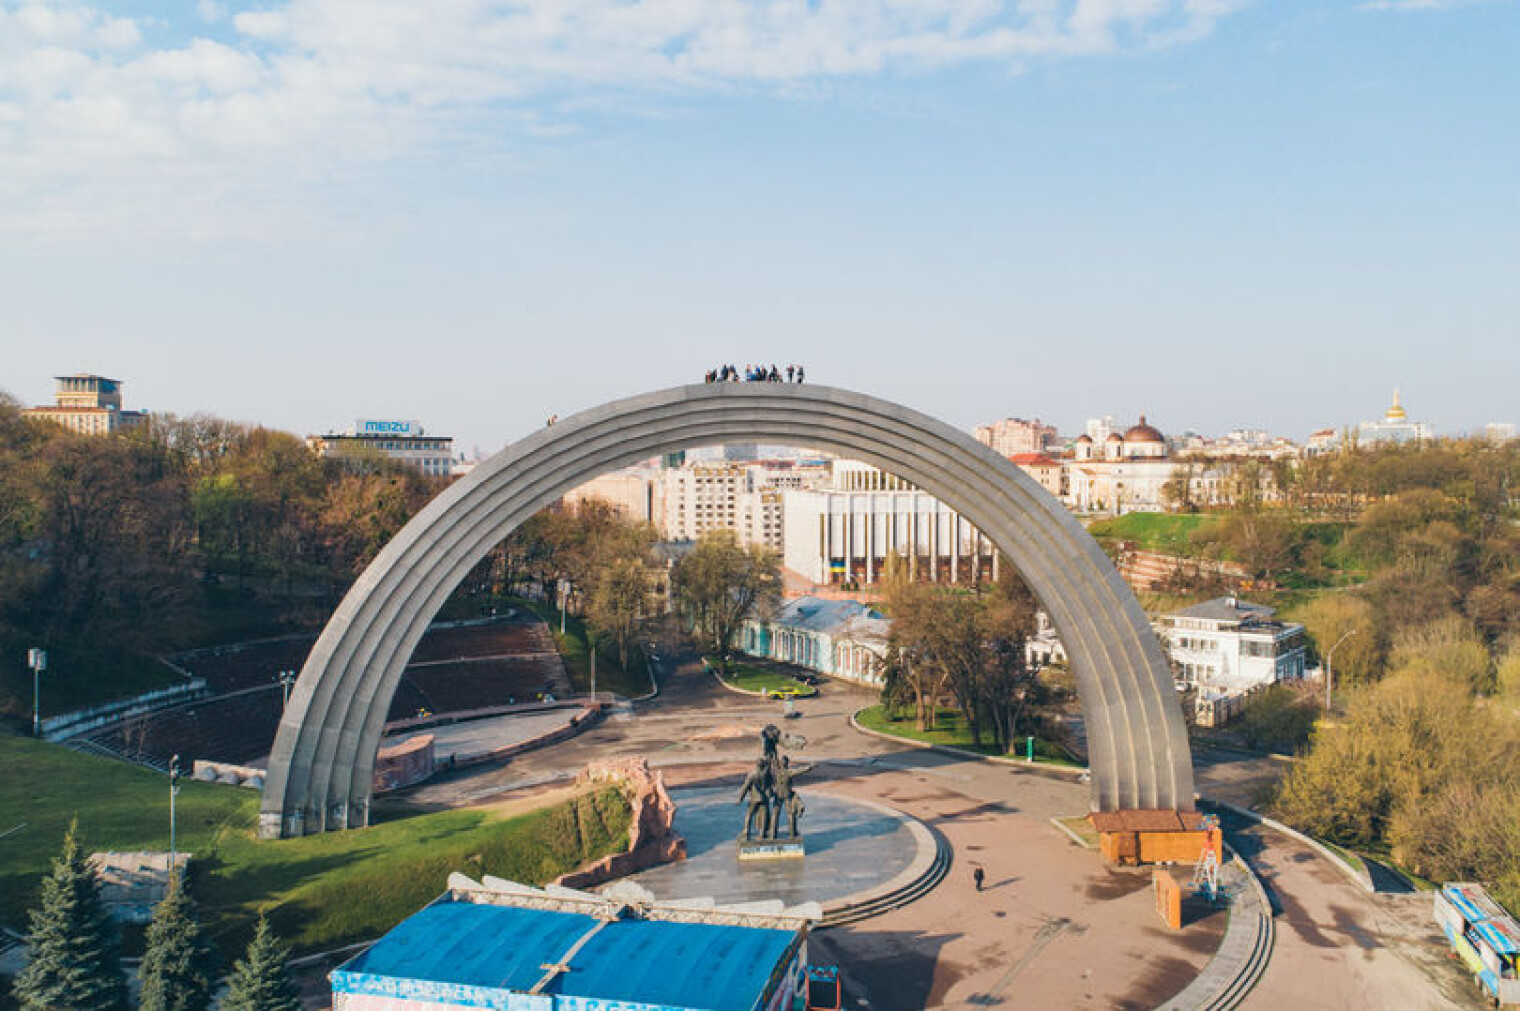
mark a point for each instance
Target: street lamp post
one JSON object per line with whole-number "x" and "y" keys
{"x": 286, "y": 678}
{"x": 36, "y": 659}
{"x": 173, "y": 792}
{"x": 1330, "y": 669}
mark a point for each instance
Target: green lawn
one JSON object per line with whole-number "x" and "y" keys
{"x": 950, "y": 730}
{"x": 757, "y": 679}
{"x": 610, "y": 677}
{"x": 311, "y": 887}
{"x": 1081, "y": 827}
{"x": 1347, "y": 857}
{"x": 1166, "y": 532}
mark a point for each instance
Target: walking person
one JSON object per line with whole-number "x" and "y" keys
{"x": 978, "y": 875}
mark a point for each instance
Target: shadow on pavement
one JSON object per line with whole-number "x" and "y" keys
{"x": 886, "y": 970}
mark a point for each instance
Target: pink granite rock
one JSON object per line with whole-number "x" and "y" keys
{"x": 652, "y": 839}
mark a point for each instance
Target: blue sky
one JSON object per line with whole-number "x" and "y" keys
{"x": 478, "y": 214}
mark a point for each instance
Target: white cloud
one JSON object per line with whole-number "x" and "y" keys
{"x": 97, "y": 119}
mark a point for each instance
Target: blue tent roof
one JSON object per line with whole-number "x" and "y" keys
{"x": 504, "y": 948}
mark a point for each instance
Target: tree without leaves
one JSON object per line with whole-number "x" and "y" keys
{"x": 173, "y": 966}
{"x": 970, "y": 643}
{"x": 1177, "y": 492}
{"x": 719, "y": 585}
{"x": 72, "y": 956}
{"x": 910, "y": 605}
{"x": 260, "y": 980}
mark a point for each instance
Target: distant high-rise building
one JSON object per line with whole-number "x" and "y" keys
{"x": 1099, "y": 429}
{"x": 404, "y": 441}
{"x": 1499, "y": 431}
{"x": 88, "y": 404}
{"x": 1015, "y": 436}
{"x": 635, "y": 493}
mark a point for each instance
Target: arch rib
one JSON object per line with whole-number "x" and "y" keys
{"x": 322, "y": 765}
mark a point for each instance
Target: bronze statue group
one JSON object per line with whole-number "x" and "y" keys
{"x": 769, "y": 794}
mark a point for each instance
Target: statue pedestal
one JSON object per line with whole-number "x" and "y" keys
{"x": 771, "y": 849}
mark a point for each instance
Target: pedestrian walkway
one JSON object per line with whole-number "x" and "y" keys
{"x": 1243, "y": 954}
{"x": 464, "y": 743}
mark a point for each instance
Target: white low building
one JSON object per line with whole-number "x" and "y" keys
{"x": 1232, "y": 646}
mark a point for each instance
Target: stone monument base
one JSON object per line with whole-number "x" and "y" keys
{"x": 771, "y": 849}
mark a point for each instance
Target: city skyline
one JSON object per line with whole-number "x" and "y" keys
{"x": 483, "y": 217}
{"x": 1064, "y": 433}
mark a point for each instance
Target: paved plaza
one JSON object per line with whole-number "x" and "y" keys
{"x": 1054, "y": 927}
{"x": 852, "y": 848}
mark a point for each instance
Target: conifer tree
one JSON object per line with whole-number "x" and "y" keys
{"x": 260, "y": 980}
{"x": 72, "y": 956}
{"x": 173, "y": 967}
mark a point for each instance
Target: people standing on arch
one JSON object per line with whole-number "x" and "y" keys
{"x": 753, "y": 373}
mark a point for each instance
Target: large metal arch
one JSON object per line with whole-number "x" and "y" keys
{"x": 321, "y": 768}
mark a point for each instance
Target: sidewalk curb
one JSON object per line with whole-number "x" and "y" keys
{"x": 1038, "y": 768}
{"x": 1362, "y": 878}
{"x": 754, "y": 695}
{"x": 1255, "y": 938}
{"x": 1058, "y": 823}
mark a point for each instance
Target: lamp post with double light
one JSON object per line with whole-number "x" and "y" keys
{"x": 1330, "y": 669}
{"x": 173, "y": 792}
{"x": 36, "y": 659}
{"x": 286, "y": 679}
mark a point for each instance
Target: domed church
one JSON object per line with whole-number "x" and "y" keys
{"x": 1125, "y": 474}
{"x": 1140, "y": 442}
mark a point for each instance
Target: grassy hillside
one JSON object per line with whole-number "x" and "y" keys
{"x": 307, "y": 885}
{"x": 573, "y": 647}
{"x": 1167, "y": 532}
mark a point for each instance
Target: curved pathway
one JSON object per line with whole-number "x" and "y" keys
{"x": 1054, "y": 928}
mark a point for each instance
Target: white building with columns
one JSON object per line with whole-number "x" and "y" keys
{"x": 846, "y": 533}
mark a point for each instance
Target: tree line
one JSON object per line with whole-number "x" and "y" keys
{"x": 1408, "y": 564}
{"x": 134, "y": 544}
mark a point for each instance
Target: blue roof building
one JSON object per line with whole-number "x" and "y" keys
{"x": 520, "y": 949}
{"x": 842, "y": 638}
